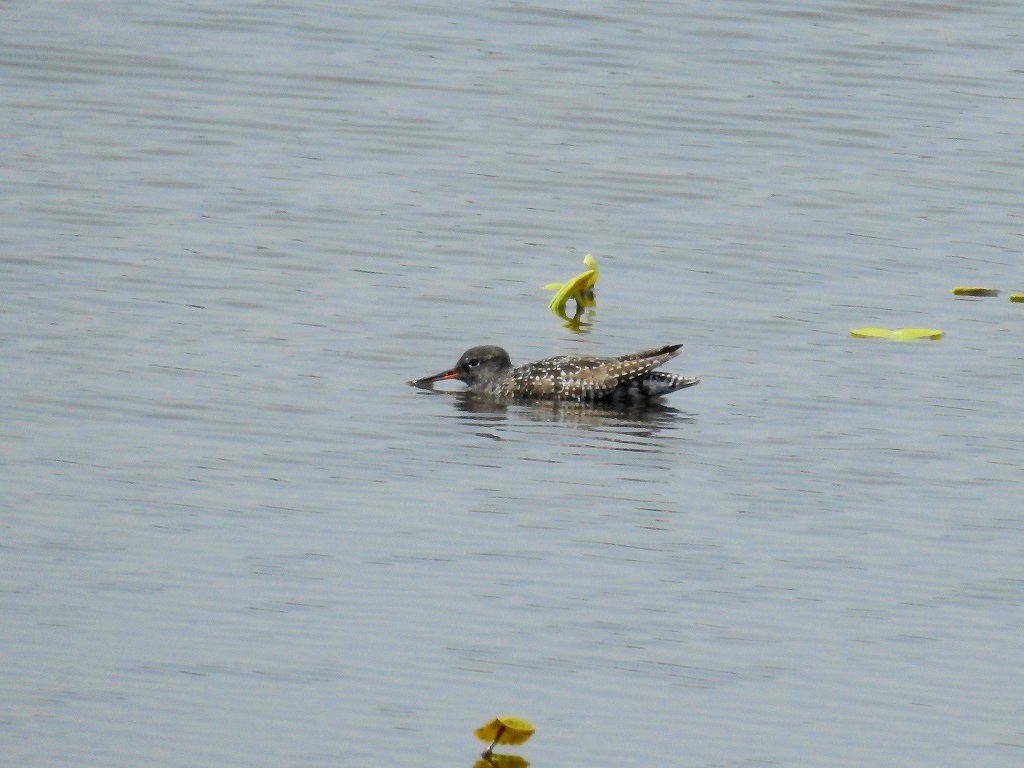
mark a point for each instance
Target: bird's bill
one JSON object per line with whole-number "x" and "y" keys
{"x": 443, "y": 376}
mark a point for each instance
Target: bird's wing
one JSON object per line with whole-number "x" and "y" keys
{"x": 597, "y": 375}
{"x": 626, "y": 366}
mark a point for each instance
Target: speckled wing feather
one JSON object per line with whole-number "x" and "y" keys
{"x": 547, "y": 378}
{"x": 661, "y": 354}
{"x": 589, "y": 378}
{"x": 607, "y": 374}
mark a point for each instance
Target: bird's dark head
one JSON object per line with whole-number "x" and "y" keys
{"x": 477, "y": 367}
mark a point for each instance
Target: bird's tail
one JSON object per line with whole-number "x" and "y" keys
{"x": 661, "y": 383}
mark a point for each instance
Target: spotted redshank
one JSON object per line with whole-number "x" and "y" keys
{"x": 489, "y": 371}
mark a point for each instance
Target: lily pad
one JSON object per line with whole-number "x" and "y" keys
{"x": 971, "y": 291}
{"x": 899, "y": 334}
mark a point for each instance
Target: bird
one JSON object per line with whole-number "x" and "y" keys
{"x": 488, "y": 370}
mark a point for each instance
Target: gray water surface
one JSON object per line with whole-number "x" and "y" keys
{"x": 232, "y": 535}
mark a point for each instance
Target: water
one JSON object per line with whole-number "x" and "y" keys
{"x": 234, "y": 536}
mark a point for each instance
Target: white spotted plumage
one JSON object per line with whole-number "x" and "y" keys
{"x": 488, "y": 370}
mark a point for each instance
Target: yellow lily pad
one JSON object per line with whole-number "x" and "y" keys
{"x": 1017, "y": 297}
{"x": 505, "y": 730}
{"x": 899, "y": 334}
{"x": 970, "y": 291}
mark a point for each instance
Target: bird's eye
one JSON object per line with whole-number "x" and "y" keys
{"x": 473, "y": 361}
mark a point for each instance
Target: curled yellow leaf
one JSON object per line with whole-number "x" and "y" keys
{"x": 580, "y": 288}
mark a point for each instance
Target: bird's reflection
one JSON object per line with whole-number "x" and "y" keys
{"x": 650, "y": 414}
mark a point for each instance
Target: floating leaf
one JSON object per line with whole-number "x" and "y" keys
{"x": 504, "y": 730}
{"x": 899, "y": 334}
{"x": 968, "y": 291}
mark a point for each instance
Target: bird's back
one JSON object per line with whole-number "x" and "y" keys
{"x": 595, "y": 379}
